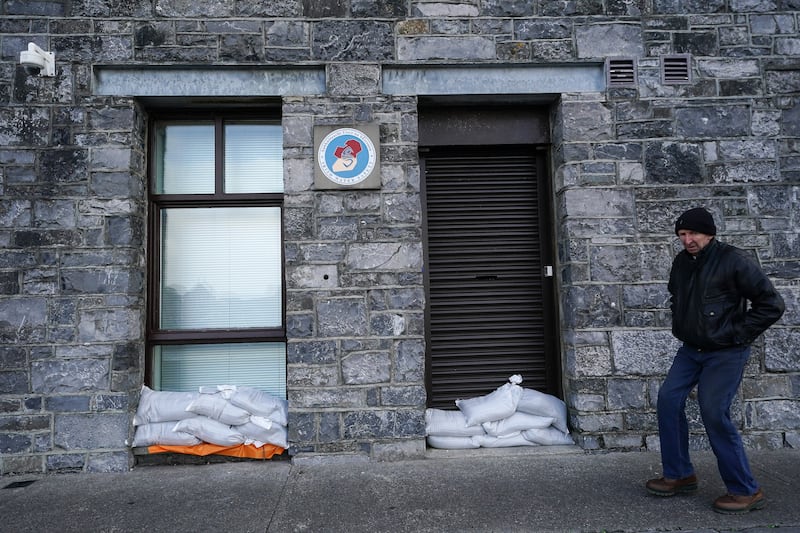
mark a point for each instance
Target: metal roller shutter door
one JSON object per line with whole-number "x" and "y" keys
{"x": 484, "y": 266}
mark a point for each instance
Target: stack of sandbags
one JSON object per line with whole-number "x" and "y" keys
{"x": 156, "y": 416}
{"x": 225, "y": 415}
{"x": 509, "y": 416}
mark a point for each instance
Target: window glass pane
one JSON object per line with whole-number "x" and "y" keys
{"x": 188, "y": 367}
{"x": 221, "y": 268}
{"x": 253, "y": 158}
{"x": 184, "y": 159}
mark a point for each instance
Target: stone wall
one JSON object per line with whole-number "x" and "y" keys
{"x": 355, "y": 295}
{"x": 72, "y": 305}
{"x": 625, "y": 161}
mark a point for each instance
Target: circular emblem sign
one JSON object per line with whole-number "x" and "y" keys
{"x": 346, "y": 156}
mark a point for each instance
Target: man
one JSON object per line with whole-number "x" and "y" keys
{"x": 710, "y": 285}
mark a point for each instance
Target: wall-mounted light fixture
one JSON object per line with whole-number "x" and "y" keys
{"x": 37, "y": 61}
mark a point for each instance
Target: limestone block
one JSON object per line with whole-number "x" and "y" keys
{"x": 413, "y": 395}
{"x": 312, "y": 277}
{"x": 783, "y": 82}
{"x": 352, "y": 79}
{"x": 604, "y": 40}
{"x": 541, "y": 28}
{"x": 590, "y": 361}
{"x": 643, "y": 352}
{"x": 384, "y": 256}
{"x": 312, "y": 351}
{"x": 106, "y": 158}
{"x": 23, "y": 318}
{"x": 361, "y": 40}
{"x": 627, "y": 394}
{"x": 331, "y": 397}
{"x": 594, "y": 423}
{"x": 713, "y": 121}
{"x": 673, "y": 162}
{"x": 409, "y": 360}
{"x": 790, "y": 122}
{"x": 312, "y": 376}
{"x": 746, "y": 172}
{"x": 446, "y": 9}
{"x": 342, "y": 317}
{"x": 780, "y": 349}
{"x": 193, "y": 8}
{"x": 588, "y": 402}
{"x": 99, "y": 325}
{"x": 773, "y": 414}
{"x": 369, "y": 367}
{"x": 445, "y": 48}
{"x": 69, "y": 376}
{"x": 370, "y": 424}
{"x": 90, "y": 431}
{"x": 636, "y": 421}
{"x": 622, "y": 441}
{"x": 66, "y": 462}
{"x": 598, "y": 202}
{"x": 25, "y": 126}
{"x": 592, "y": 306}
{"x": 728, "y": 68}
{"x": 586, "y": 120}
{"x": 14, "y": 443}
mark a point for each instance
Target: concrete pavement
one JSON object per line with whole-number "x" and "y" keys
{"x": 538, "y": 489}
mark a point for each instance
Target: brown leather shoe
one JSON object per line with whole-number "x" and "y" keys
{"x": 664, "y": 486}
{"x": 733, "y": 504}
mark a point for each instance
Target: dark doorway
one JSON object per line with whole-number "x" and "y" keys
{"x": 490, "y": 309}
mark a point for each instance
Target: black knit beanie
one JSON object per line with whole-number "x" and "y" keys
{"x": 697, "y": 219}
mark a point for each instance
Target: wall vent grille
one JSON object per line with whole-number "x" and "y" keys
{"x": 676, "y": 69}
{"x": 621, "y": 72}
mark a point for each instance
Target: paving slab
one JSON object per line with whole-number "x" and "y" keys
{"x": 543, "y": 489}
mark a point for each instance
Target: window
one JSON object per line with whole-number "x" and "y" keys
{"x": 216, "y": 294}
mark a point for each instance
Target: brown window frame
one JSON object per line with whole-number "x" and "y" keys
{"x": 156, "y": 336}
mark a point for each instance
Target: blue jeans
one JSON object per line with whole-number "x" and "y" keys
{"x": 717, "y": 375}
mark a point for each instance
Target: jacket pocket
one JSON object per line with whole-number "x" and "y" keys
{"x": 718, "y": 323}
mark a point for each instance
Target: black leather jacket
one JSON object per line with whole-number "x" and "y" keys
{"x": 710, "y": 293}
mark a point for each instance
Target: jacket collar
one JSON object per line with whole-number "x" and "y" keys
{"x": 705, "y": 252}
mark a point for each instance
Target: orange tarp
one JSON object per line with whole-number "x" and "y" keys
{"x": 204, "y": 448}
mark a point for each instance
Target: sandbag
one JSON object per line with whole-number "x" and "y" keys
{"x": 452, "y": 443}
{"x": 487, "y": 441}
{"x": 494, "y": 406}
{"x": 218, "y": 408}
{"x": 265, "y": 423}
{"x": 258, "y": 435}
{"x": 162, "y": 433}
{"x": 226, "y": 391}
{"x": 210, "y": 430}
{"x": 163, "y": 406}
{"x": 551, "y": 436}
{"x": 538, "y": 403}
{"x": 516, "y": 423}
{"x": 442, "y": 423}
{"x": 261, "y": 403}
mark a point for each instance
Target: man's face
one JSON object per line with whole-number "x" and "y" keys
{"x": 693, "y": 241}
